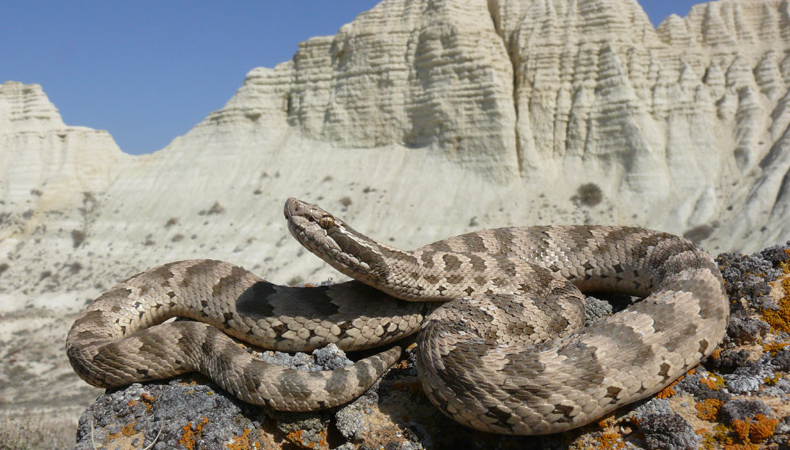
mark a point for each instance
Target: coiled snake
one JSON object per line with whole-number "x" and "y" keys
{"x": 506, "y": 352}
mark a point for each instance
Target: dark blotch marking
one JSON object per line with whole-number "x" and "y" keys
{"x": 455, "y": 279}
{"x": 664, "y": 372}
{"x": 703, "y": 346}
{"x": 504, "y": 235}
{"x": 506, "y": 266}
{"x": 478, "y": 263}
{"x": 427, "y": 259}
{"x": 451, "y": 262}
{"x": 228, "y": 284}
{"x": 200, "y": 268}
{"x": 565, "y": 410}
{"x": 163, "y": 273}
{"x": 580, "y": 237}
{"x": 689, "y": 330}
{"x": 87, "y": 336}
{"x": 582, "y": 355}
{"x": 439, "y": 246}
{"x": 408, "y": 258}
{"x": 91, "y": 317}
{"x": 500, "y": 415}
{"x": 613, "y": 391}
{"x": 337, "y": 383}
{"x": 255, "y": 300}
{"x": 473, "y": 243}
{"x": 364, "y": 373}
{"x": 432, "y": 279}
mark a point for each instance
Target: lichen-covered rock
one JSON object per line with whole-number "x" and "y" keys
{"x": 746, "y": 330}
{"x": 729, "y": 359}
{"x": 178, "y": 414}
{"x": 668, "y": 431}
{"x": 726, "y": 399}
{"x": 738, "y": 409}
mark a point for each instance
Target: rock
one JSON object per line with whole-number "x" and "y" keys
{"x": 178, "y": 414}
{"x": 595, "y": 310}
{"x": 744, "y": 409}
{"x": 668, "y": 431}
{"x": 746, "y": 330}
{"x": 396, "y": 414}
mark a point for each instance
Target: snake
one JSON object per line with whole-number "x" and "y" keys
{"x": 499, "y": 316}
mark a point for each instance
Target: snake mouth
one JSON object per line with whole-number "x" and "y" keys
{"x": 293, "y": 207}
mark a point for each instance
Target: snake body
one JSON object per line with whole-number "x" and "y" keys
{"x": 500, "y": 313}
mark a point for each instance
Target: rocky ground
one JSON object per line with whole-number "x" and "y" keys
{"x": 737, "y": 399}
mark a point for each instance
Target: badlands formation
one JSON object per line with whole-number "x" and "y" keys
{"x": 419, "y": 120}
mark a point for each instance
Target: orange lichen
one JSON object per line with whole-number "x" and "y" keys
{"x": 148, "y": 399}
{"x": 741, "y": 428}
{"x": 779, "y": 319}
{"x": 755, "y": 431}
{"x": 126, "y": 430}
{"x": 742, "y": 435}
{"x": 191, "y": 434}
{"x": 721, "y": 437}
{"x": 606, "y": 421}
{"x": 669, "y": 391}
{"x": 713, "y": 381}
{"x": 297, "y": 437}
{"x": 611, "y": 441}
{"x": 708, "y": 409}
{"x": 774, "y": 347}
{"x": 401, "y": 365}
{"x": 243, "y": 442}
{"x": 762, "y": 428}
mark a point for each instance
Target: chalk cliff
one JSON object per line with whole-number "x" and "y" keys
{"x": 419, "y": 120}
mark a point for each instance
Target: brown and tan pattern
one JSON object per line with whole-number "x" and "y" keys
{"x": 505, "y": 351}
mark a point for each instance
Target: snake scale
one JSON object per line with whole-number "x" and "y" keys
{"x": 501, "y": 346}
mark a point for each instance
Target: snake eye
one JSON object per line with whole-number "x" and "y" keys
{"x": 326, "y": 222}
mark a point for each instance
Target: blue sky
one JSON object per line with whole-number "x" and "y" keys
{"x": 148, "y": 71}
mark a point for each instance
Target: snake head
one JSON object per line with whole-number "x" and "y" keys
{"x": 334, "y": 241}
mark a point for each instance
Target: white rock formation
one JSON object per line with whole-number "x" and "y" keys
{"x": 420, "y": 119}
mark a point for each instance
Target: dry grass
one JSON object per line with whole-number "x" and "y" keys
{"x": 37, "y": 432}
